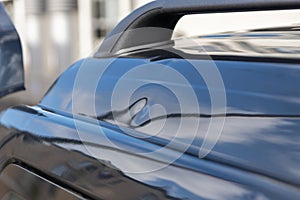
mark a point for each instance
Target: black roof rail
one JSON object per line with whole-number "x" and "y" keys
{"x": 164, "y": 15}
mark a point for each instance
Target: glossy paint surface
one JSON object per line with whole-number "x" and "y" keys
{"x": 93, "y": 143}
{"x": 55, "y": 151}
{"x": 262, "y": 116}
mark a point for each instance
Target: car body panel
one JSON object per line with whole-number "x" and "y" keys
{"x": 77, "y": 138}
{"x": 264, "y": 124}
{"x": 262, "y": 116}
{"x": 44, "y": 139}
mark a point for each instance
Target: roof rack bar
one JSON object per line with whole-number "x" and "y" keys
{"x": 164, "y": 14}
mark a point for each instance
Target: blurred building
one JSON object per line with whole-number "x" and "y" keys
{"x": 55, "y": 33}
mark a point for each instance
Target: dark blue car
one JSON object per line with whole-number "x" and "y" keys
{"x": 148, "y": 117}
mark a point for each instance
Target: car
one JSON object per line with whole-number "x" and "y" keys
{"x": 150, "y": 117}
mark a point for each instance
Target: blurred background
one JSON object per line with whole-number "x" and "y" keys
{"x": 56, "y": 33}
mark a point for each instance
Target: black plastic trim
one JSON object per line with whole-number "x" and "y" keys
{"x": 166, "y": 13}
